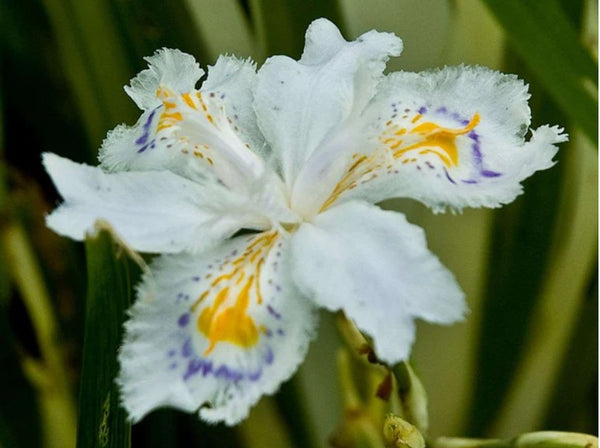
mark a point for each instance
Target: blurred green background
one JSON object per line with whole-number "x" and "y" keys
{"x": 525, "y": 359}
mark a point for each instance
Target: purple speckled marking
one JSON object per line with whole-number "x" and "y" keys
{"x": 429, "y": 165}
{"x": 183, "y": 320}
{"x": 488, "y": 173}
{"x": 143, "y": 139}
{"x": 280, "y": 332}
{"x": 198, "y": 365}
{"x": 255, "y": 376}
{"x": 470, "y": 181}
{"x": 448, "y": 176}
{"x": 205, "y": 367}
{"x": 171, "y": 353}
{"x": 478, "y": 156}
{"x": 173, "y": 366}
{"x": 273, "y": 313}
{"x": 269, "y": 356}
{"x": 186, "y": 349}
{"x": 229, "y": 374}
{"x": 442, "y": 110}
{"x": 422, "y": 110}
{"x": 268, "y": 333}
{"x": 195, "y": 278}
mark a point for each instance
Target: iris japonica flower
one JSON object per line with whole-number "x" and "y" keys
{"x": 257, "y": 189}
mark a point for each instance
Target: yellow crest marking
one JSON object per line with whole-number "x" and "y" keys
{"x": 227, "y": 319}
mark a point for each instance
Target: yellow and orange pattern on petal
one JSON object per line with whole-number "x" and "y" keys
{"x": 230, "y": 295}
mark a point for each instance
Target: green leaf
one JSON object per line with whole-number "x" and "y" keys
{"x": 519, "y": 256}
{"x": 147, "y": 25}
{"x": 111, "y": 276}
{"x": 550, "y": 46}
{"x": 20, "y": 424}
{"x": 281, "y": 25}
{"x": 94, "y": 61}
{"x": 211, "y": 18}
{"x": 574, "y": 405}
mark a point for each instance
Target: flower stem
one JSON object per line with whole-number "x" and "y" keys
{"x": 541, "y": 439}
{"x": 411, "y": 393}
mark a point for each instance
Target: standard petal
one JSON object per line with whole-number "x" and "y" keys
{"x": 166, "y": 67}
{"x": 300, "y": 103}
{"x": 153, "y": 211}
{"x": 215, "y": 331}
{"x": 376, "y": 267}
{"x": 454, "y": 137}
{"x": 233, "y": 80}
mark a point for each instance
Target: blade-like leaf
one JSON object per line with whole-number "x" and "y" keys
{"x": 94, "y": 61}
{"x": 574, "y": 405}
{"x": 549, "y": 45}
{"x": 111, "y": 276}
{"x": 280, "y": 25}
{"x": 519, "y": 255}
{"x": 211, "y": 18}
{"x": 146, "y": 25}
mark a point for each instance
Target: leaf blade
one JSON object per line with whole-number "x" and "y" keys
{"x": 102, "y": 421}
{"x": 549, "y": 45}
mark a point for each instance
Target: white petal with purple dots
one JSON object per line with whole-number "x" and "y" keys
{"x": 215, "y": 331}
{"x": 455, "y": 137}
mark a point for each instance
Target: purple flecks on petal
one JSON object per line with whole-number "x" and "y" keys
{"x": 171, "y": 353}
{"x": 273, "y": 313}
{"x": 469, "y": 181}
{"x": 269, "y": 356}
{"x": 422, "y": 110}
{"x": 255, "y": 376}
{"x": 280, "y": 332}
{"x": 488, "y": 173}
{"x": 473, "y": 136}
{"x": 448, "y": 176}
{"x": 186, "y": 348}
{"x": 198, "y": 365}
{"x": 183, "y": 320}
{"x": 143, "y": 139}
{"x": 229, "y": 374}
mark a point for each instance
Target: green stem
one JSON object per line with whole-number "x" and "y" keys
{"x": 541, "y": 439}
{"x": 412, "y": 395}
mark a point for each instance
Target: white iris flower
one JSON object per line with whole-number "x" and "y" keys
{"x": 297, "y": 153}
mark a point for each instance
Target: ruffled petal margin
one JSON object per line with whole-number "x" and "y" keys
{"x": 215, "y": 331}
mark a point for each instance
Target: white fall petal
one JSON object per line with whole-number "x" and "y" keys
{"x": 376, "y": 267}
{"x": 215, "y": 331}
{"x": 454, "y": 137}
